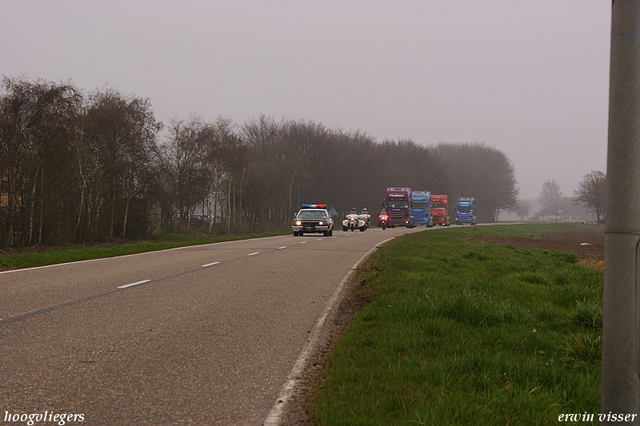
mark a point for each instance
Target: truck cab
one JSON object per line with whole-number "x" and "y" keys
{"x": 466, "y": 211}
{"x": 440, "y": 210}
{"x": 397, "y": 204}
{"x": 421, "y": 208}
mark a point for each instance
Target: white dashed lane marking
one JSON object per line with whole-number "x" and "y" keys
{"x": 136, "y": 283}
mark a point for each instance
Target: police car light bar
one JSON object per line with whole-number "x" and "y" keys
{"x": 314, "y": 206}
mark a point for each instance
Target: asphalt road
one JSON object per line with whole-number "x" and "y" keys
{"x": 201, "y": 335}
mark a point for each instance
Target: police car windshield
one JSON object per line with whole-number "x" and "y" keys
{"x": 312, "y": 214}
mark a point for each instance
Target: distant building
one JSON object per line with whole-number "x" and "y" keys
{"x": 567, "y": 212}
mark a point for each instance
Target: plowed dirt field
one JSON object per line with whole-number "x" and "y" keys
{"x": 586, "y": 242}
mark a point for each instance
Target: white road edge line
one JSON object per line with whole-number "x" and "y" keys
{"x": 210, "y": 264}
{"x": 275, "y": 416}
{"x": 136, "y": 283}
{"x": 253, "y": 254}
{"x": 283, "y": 247}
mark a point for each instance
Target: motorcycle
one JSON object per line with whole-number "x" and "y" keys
{"x": 353, "y": 221}
{"x": 367, "y": 218}
{"x": 383, "y": 220}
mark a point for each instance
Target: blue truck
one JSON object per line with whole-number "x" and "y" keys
{"x": 466, "y": 211}
{"x": 421, "y": 208}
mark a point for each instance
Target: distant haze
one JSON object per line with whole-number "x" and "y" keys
{"x": 529, "y": 77}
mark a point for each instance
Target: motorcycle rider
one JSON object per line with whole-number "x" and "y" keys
{"x": 366, "y": 215}
{"x": 383, "y": 218}
{"x": 351, "y": 221}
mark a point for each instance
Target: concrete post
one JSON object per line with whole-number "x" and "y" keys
{"x": 621, "y": 344}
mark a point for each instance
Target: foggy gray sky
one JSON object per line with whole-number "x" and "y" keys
{"x": 529, "y": 77}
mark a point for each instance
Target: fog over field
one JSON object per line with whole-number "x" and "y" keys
{"x": 529, "y": 77}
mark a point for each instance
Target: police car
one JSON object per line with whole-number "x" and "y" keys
{"x": 313, "y": 218}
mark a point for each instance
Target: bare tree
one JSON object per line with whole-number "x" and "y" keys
{"x": 550, "y": 194}
{"x": 185, "y": 174}
{"x": 36, "y": 133}
{"x": 223, "y": 152}
{"x": 523, "y": 208}
{"x": 119, "y": 138}
{"x": 591, "y": 193}
{"x": 264, "y": 184}
{"x": 75, "y": 168}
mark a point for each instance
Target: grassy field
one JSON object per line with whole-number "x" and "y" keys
{"x": 157, "y": 242}
{"x": 464, "y": 333}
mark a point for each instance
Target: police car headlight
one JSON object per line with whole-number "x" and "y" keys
{"x": 321, "y": 223}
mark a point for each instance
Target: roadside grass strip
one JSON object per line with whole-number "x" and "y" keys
{"x": 463, "y": 333}
{"x": 155, "y": 243}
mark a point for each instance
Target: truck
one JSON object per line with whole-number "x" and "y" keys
{"x": 466, "y": 211}
{"x": 421, "y": 208}
{"x": 397, "y": 205}
{"x": 440, "y": 210}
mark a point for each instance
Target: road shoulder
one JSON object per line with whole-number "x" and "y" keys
{"x": 354, "y": 297}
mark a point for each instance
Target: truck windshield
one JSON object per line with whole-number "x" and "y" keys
{"x": 420, "y": 205}
{"x": 464, "y": 209}
{"x": 396, "y": 204}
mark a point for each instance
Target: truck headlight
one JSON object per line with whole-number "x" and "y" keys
{"x": 298, "y": 222}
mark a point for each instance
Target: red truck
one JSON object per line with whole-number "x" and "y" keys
{"x": 440, "y": 210}
{"x": 397, "y": 205}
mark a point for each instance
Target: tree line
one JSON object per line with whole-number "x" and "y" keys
{"x": 83, "y": 167}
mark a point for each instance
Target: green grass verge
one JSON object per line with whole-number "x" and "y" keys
{"x": 470, "y": 334}
{"x": 157, "y": 242}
